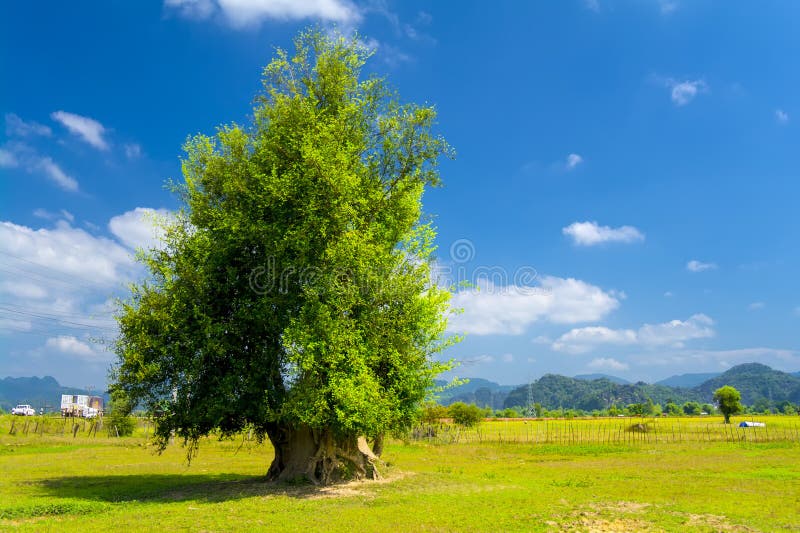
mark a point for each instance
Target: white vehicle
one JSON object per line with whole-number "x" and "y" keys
{"x": 23, "y": 410}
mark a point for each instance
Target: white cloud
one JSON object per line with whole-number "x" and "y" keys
{"x": 16, "y": 127}
{"x": 198, "y": 9}
{"x": 683, "y": 92}
{"x": 756, "y": 306}
{"x": 133, "y": 151}
{"x": 582, "y": 340}
{"x": 608, "y": 363}
{"x": 70, "y": 345}
{"x": 698, "y": 266}
{"x": 667, "y": 6}
{"x": 706, "y": 360}
{"x": 781, "y": 116}
{"x": 58, "y": 176}
{"x": 47, "y": 215}
{"x": 242, "y": 13}
{"x": 139, "y": 228}
{"x": 508, "y": 358}
{"x": 8, "y": 159}
{"x": 69, "y": 255}
{"x": 22, "y": 289}
{"x": 668, "y": 294}
{"x": 510, "y": 310}
{"x": 673, "y": 333}
{"x": 592, "y": 5}
{"x": 542, "y": 339}
{"x": 19, "y": 154}
{"x": 590, "y": 234}
{"x": 573, "y": 160}
{"x": 86, "y": 128}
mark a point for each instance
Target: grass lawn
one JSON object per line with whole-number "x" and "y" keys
{"x": 64, "y": 483}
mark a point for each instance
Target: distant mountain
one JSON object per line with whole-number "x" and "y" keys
{"x": 612, "y": 379}
{"x": 687, "y": 380}
{"x": 478, "y": 391}
{"x": 553, "y": 391}
{"x": 757, "y": 383}
{"x": 35, "y": 391}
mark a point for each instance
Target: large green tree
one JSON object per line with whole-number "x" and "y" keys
{"x": 728, "y": 401}
{"x": 293, "y": 294}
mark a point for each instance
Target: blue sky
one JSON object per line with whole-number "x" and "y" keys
{"x": 624, "y": 196}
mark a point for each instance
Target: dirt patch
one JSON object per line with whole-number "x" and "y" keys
{"x": 715, "y": 522}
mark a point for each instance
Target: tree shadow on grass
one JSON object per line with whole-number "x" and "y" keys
{"x": 173, "y": 487}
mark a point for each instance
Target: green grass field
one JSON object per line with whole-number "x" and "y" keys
{"x": 525, "y": 476}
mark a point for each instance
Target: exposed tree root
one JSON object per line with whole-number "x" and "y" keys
{"x": 305, "y": 454}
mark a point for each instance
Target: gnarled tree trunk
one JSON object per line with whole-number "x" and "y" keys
{"x": 319, "y": 456}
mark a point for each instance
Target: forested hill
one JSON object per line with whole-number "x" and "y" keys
{"x": 481, "y": 392}
{"x": 553, "y": 391}
{"x": 758, "y": 384}
{"x": 35, "y": 391}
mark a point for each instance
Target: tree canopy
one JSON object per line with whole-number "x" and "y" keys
{"x": 293, "y": 295}
{"x": 728, "y": 402}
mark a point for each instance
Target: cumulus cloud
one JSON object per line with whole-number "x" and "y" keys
{"x": 16, "y": 127}
{"x": 72, "y": 346}
{"x": 242, "y": 13}
{"x": 88, "y": 129}
{"x": 781, "y": 116}
{"x": 607, "y": 363}
{"x": 591, "y": 234}
{"x": 673, "y": 333}
{"x": 133, "y": 151}
{"x": 510, "y": 310}
{"x": 698, "y": 266}
{"x": 59, "y": 282}
{"x": 582, "y": 340}
{"x": 140, "y": 227}
{"x": 573, "y": 160}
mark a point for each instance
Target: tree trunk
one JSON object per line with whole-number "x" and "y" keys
{"x": 377, "y": 445}
{"x": 319, "y": 456}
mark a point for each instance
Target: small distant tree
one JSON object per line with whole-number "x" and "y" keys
{"x": 692, "y": 408}
{"x": 672, "y": 409}
{"x": 708, "y": 408}
{"x": 728, "y": 401}
{"x": 120, "y": 422}
{"x": 433, "y": 412}
{"x": 466, "y": 415}
{"x": 789, "y": 409}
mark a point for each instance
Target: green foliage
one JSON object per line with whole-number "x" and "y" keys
{"x": 708, "y": 408}
{"x": 433, "y": 413}
{"x": 119, "y": 421}
{"x": 466, "y": 415}
{"x": 294, "y": 287}
{"x": 673, "y": 409}
{"x": 692, "y": 408}
{"x": 728, "y": 399}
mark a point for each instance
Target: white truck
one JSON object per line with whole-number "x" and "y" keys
{"x": 23, "y": 409}
{"x": 81, "y": 405}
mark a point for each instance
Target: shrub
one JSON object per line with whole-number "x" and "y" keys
{"x": 466, "y": 415}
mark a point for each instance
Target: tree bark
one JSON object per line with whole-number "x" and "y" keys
{"x": 303, "y": 453}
